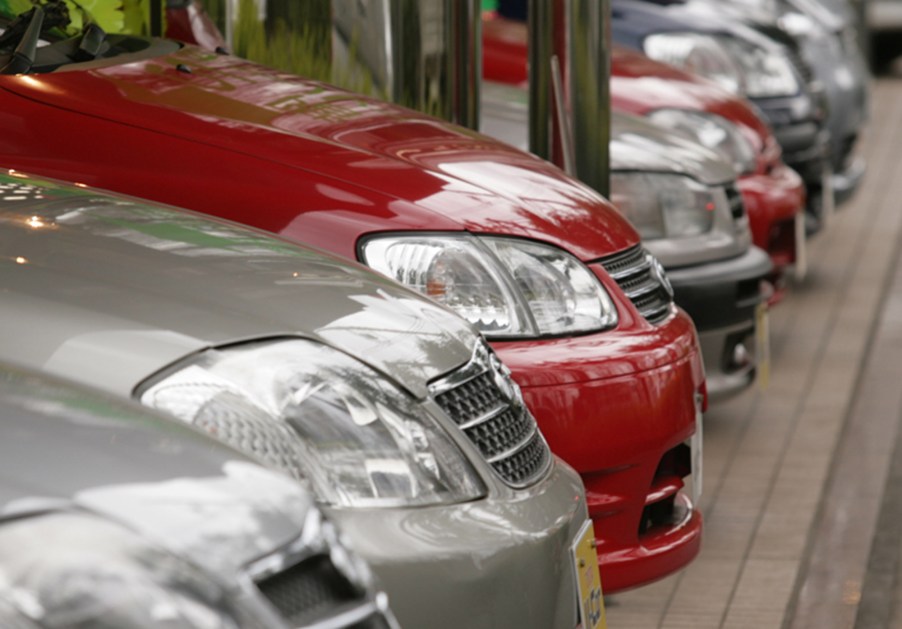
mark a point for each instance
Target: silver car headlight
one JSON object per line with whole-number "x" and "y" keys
{"x": 506, "y": 287}
{"x": 77, "y": 571}
{"x": 664, "y": 205}
{"x": 700, "y": 54}
{"x": 712, "y": 131}
{"x": 740, "y": 66}
{"x": 766, "y": 73}
{"x": 323, "y": 417}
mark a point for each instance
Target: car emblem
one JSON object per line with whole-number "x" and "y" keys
{"x": 657, "y": 272}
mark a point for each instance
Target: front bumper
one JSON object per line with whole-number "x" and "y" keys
{"x": 501, "y": 562}
{"x": 619, "y": 406}
{"x": 721, "y": 298}
{"x": 772, "y": 201}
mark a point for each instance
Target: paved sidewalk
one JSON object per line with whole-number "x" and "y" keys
{"x": 795, "y": 475}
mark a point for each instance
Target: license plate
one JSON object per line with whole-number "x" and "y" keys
{"x": 588, "y": 579}
{"x": 762, "y": 345}
{"x": 801, "y": 242}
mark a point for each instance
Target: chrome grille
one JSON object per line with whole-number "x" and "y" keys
{"x": 643, "y": 281}
{"x": 486, "y": 404}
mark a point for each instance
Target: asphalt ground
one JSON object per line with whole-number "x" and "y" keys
{"x": 803, "y": 480}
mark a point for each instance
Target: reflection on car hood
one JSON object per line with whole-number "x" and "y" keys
{"x": 63, "y": 448}
{"x": 107, "y": 291}
{"x": 450, "y": 177}
{"x": 640, "y": 85}
{"x": 637, "y": 144}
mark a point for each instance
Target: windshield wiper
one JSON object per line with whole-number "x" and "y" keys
{"x": 23, "y": 56}
{"x": 90, "y": 44}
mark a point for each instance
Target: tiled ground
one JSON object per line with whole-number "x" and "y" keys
{"x": 794, "y": 475}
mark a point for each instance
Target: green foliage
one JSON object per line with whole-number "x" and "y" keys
{"x": 114, "y": 16}
{"x": 296, "y": 38}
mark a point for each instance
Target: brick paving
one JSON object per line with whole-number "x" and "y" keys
{"x": 795, "y": 475}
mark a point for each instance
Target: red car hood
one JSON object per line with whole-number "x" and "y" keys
{"x": 640, "y": 85}
{"x": 445, "y": 177}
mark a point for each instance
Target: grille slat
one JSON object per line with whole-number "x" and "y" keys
{"x": 500, "y": 427}
{"x": 635, "y": 272}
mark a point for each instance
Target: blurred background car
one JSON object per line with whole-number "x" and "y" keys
{"x": 683, "y": 200}
{"x": 770, "y": 74}
{"x": 773, "y": 194}
{"x": 543, "y": 266}
{"x": 827, "y": 43}
{"x": 113, "y": 516}
{"x": 390, "y": 408}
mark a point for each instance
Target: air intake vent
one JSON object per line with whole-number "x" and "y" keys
{"x": 734, "y": 199}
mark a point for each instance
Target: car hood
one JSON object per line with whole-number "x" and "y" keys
{"x": 450, "y": 178}
{"x": 65, "y": 449}
{"x": 637, "y": 144}
{"x": 107, "y": 290}
{"x": 640, "y": 85}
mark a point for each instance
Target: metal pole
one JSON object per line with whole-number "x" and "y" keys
{"x": 541, "y": 50}
{"x": 588, "y": 76}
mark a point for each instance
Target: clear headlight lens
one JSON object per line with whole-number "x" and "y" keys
{"x": 740, "y": 66}
{"x": 767, "y": 73}
{"x": 320, "y": 415}
{"x": 504, "y": 286}
{"x": 701, "y": 54}
{"x": 79, "y": 572}
{"x": 664, "y": 206}
{"x": 712, "y": 131}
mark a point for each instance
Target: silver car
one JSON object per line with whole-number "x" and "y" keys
{"x": 683, "y": 200}
{"x": 114, "y": 517}
{"x": 409, "y": 430}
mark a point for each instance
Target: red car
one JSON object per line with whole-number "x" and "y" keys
{"x": 555, "y": 278}
{"x": 774, "y": 195}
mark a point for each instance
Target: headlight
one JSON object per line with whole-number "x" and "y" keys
{"x": 740, "y": 66}
{"x": 322, "y": 416}
{"x": 504, "y": 286}
{"x": 767, "y": 73}
{"x": 713, "y": 132}
{"x": 77, "y": 572}
{"x": 664, "y": 206}
{"x": 701, "y": 54}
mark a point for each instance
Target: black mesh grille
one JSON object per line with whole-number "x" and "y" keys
{"x": 309, "y": 590}
{"x": 505, "y": 434}
{"x": 472, "y": 399}
{"x": 520, "y": 468}
{"x": 734, "y": 199}
{"x": 633, "y": 271}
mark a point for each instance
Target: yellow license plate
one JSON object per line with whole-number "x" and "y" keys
{"x": 762, "y": 345}
{"x": 588, "y": 579}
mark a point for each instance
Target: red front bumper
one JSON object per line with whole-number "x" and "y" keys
{"x": 619, "y": 407}
{"x": 772, "y": 201}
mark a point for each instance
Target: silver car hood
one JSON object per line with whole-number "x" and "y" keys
{"x": 107, "y": 291}
{"x": 65, "y": 449}
{"x": 636, "y": 144}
